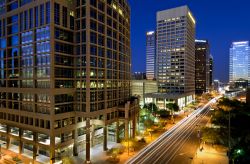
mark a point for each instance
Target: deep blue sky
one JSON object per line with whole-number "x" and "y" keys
{"x": 219, "y": 21}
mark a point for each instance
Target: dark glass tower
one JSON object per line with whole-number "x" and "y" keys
{"x": 202, "y": 66}
{"x": 211, "y": 74}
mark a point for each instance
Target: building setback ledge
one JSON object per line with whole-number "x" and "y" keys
{"x": 167, "y": 95}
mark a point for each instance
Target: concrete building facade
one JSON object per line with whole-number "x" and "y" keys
{"x": 175, "y": 49}
{"x": 141, "y": 87}
{"x": 65, "y": 76}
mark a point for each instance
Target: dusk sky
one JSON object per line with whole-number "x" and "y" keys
{"x": 219, "y": 21}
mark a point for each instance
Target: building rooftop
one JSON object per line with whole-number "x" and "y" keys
{"x": 173, "y": 12}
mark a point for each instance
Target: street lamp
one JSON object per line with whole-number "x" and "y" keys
{"x": 199, "y": 136}
{"x": 128, "y": 136}
{"x": 128, "y": 147}
{"x": 229, "y": 134}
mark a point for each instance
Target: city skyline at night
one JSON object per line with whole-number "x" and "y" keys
{"x": 213, "y": 24}
{"x": 124, "y": 81}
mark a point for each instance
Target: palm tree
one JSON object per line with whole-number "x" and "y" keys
{"x": 173, "y": 107}
{"x": 151, "y": 107}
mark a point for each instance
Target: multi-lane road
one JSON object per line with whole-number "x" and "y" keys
{"x": 179, "y": 144}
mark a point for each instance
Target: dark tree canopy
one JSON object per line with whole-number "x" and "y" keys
{"x": 173, "y": 107}
{"x": 151, "y": 107}
{"x": 240, "y": 131}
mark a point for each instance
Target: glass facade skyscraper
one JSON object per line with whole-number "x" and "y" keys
{"x": 150, "y": 55}
{"x": 65, "y": 76}
{"x": 239, "y": 61}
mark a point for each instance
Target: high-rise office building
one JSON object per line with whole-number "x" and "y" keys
{"x": 175, "y": 49}
{"x": 202, "y": 66}
{"x": 211, "y": 67}
{"x": 150, "y": 55}
{"x": 239, "y": 66}
{"x": 65, "y": 76}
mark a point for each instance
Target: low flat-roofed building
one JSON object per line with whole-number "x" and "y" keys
{"x": 161, "y": 99}
{"x": 142, "y": 87}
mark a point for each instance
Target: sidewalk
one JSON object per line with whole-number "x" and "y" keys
{"x": 211, "y": 155}
{"x": 98, "y": 156}
{"x": 8, "y": 155}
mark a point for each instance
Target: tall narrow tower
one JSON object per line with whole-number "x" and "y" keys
{"x": 150, "y": 55}
{"x": 202, "y": 66}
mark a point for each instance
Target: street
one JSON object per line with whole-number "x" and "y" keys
{"x": 179, "y": 144}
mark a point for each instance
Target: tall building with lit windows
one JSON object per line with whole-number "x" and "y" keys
{"x": 150, "y": 55}
{"x": 65, "y": 76}
{"x": 202, "y": 66}
{"x": 175, "y": 49}
{"x": 239, "y": 64}
{"x": 211, "y": 73}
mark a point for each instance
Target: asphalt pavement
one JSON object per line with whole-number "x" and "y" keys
{"x": 179, "y": 144}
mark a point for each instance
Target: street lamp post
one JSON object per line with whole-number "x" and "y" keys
{"x": 152, "y": 109}
{"x": 229, "y": 135}
{"x": 128, "y": 136}
{"x": 128, "y": 147}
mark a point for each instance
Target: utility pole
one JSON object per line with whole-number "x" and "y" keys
{"x": 229, "y": 135}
